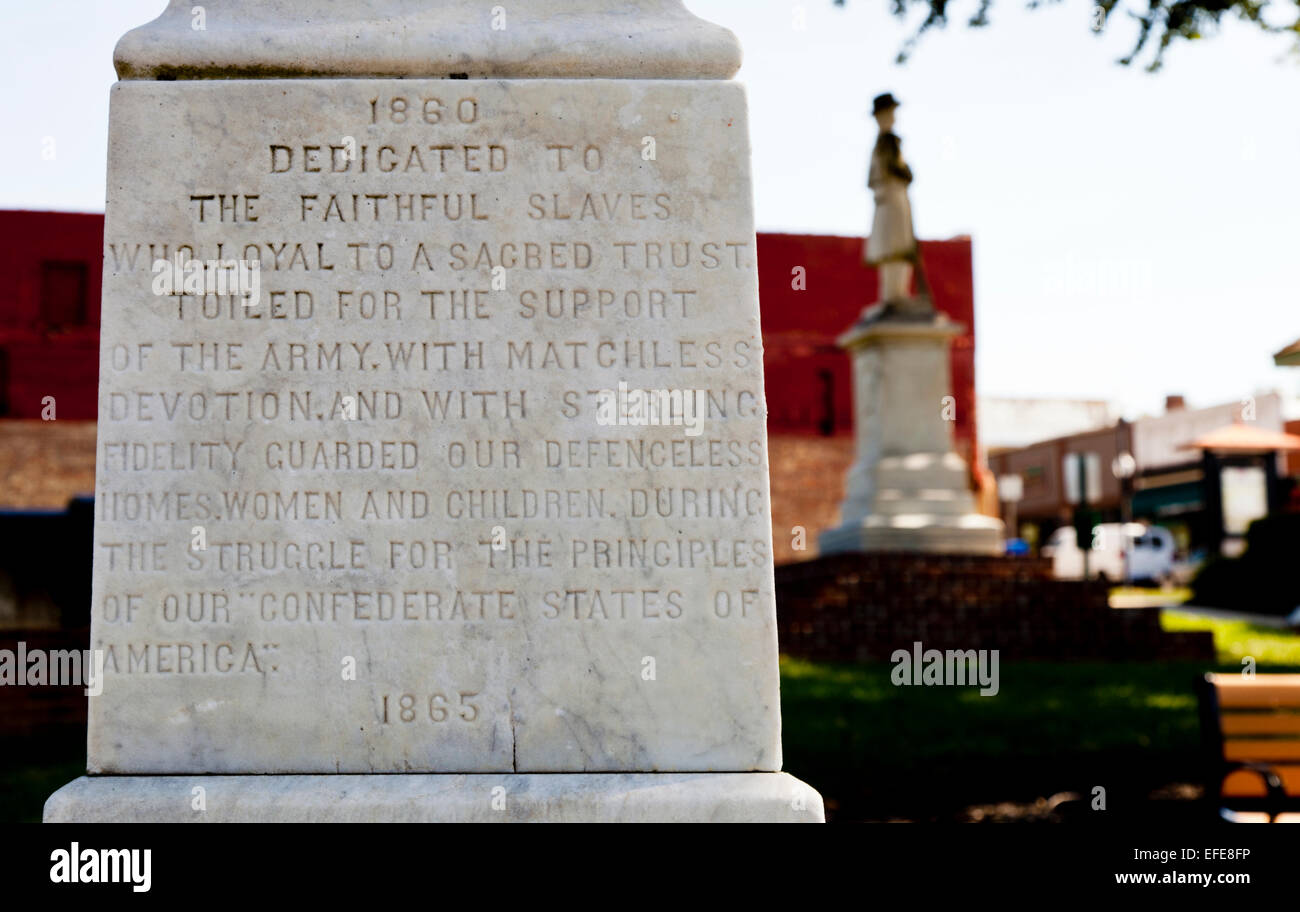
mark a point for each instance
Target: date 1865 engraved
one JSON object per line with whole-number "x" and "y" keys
{"x": 438, "y": 707}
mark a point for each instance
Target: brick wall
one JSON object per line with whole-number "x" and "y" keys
{"x": 862, "y": 607}
{"x": 43, "y": 711}
{"x": 44, "y": 464}
{"x": 45, "y": 568}
{"x": 807, "y": 486}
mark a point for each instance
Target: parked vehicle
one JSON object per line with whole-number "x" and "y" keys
{"x": 1119, "y": 552}
{"x": 1185, "y": 569}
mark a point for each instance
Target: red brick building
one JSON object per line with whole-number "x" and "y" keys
{"x": 809, "y": 388}
{"x": 49, "y": 316}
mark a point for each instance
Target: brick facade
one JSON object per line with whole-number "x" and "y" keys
{"x": 862, "y": 607}
{"x": 31, "y": 711}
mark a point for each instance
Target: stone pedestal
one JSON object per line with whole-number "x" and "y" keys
{"x": 907, "y": 490}
{"x": 374, "y": 515}
{"x": 447, "y": 798}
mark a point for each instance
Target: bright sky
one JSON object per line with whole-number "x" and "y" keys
{"x": 1134, "y": 234}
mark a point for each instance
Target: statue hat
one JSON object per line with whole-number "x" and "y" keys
{"x": 883, "y": 103}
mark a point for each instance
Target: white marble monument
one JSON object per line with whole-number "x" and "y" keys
{"x": 908, "y": 489}
{"x": 432, "y": 429}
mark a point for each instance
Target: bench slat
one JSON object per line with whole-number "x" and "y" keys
{"x": 1261, "y": 817}
{"x": 1242, "y": 784}
{"x": 1260, "y": 723}
{"x": 1273, "y": 690}
{"x": 1245, "y": 749}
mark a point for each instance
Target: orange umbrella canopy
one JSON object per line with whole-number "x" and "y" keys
{"x": 1289, "y": 356}
{"x": 1244, "y": 438}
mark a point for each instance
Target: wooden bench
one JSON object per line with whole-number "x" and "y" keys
{"x": 1251, "y": 730}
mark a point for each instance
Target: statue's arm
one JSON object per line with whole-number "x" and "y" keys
{"x": 894, "y": 160}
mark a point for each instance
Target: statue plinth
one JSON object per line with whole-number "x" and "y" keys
{"x": 908, "y": 489}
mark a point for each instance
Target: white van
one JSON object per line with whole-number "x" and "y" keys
{"x": 1120, "y": 552}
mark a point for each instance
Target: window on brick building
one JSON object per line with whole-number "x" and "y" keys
{"x": 4, "y": 381}
{"x": 63, "y": 293}
{"x": 826, "y": 425}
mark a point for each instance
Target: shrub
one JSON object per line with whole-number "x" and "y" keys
{"x": 1265, "y": 579}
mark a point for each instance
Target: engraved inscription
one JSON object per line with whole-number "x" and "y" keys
{"x": 372, "y": 512}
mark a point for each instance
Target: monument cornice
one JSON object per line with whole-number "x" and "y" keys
{"x": 873, "y": 331}
{"x": 523, "y": 39}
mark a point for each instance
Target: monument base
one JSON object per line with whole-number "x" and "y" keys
{"x": 907, "y": 489}
{"x": 440, "y": 798}
{"x": 941, "y": 535}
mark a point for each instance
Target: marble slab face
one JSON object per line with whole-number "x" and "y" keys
{"x": 383, "y": 501}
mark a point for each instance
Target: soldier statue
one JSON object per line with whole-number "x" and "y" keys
{"x": 892, "y": 248}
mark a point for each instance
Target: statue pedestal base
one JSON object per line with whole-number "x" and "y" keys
{"x": 441, "y": 798}
{"x": 907, "y": 490}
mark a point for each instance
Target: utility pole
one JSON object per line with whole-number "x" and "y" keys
{"x": 1083, "y": 528}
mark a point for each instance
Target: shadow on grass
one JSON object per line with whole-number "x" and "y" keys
{"x": 877, "y": 751}
{"x": 33, "y": 769}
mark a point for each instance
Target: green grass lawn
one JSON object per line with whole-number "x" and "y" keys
{"x": 24, "y": 786}
{"x": 1235, "y": 640}
{"x": 1171, "y": 595}
{"x": 876, "y": 750}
